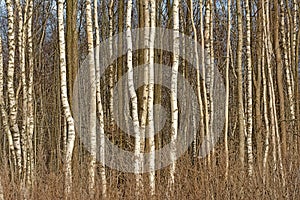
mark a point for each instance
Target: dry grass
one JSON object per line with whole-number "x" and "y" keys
{"x": 193, "y": 181}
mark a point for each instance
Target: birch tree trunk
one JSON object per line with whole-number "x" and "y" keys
{"x": 207, "y": 78}
{"x": 145, "y": 75}
{"x": 151, "y": 98}
{"x": 4, "y": 114}
{"x": 198, "y": 79}
{"x": 174, "y": 106}
{"x": 10, "y": 87}
{"x": 64, "y": 99}
{"x": 203, "y": 116}
{"x": 30, "y": 104}
{"x": 21, "y": 32}
{"x": 227, "y": 88}
{"x": 99, "y": 105}
{"x": 240, "y": 85}
{"x": 92, "y": 105}
{"x": 111, "y": 80}
{"x": 287, "y": 62}
{"x": 273, "y": 115}
{"x": 133, "y": 97}
{"x": 249, "y": 91}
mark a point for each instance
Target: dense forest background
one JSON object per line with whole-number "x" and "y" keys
{"x": 250, "y": 48}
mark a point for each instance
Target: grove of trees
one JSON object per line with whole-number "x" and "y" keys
{"x": 251, "y": 48}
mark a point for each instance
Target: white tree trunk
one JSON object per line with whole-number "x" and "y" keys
{"x": 21, "y": 50}
{"x": 133, "y": 97}
{"x": 145, "y": 76}
{"x": 3, "y": 111}
{"x": 30, "y": 119}
{"x": 10, "y": 86}
{"x": 249, "y": 91}
{"x": 99, "y": 104}
{"x": 151, "y": 99}
{"x": 64, "y": 99}
{"x": 111, "y": 80}
{"x": 174, "y": 106}
{"x": 227, "y": 88}
{"x": 92, "y": 105}
{"x": 207, "y": 77}
{"x": 287, "y": 63}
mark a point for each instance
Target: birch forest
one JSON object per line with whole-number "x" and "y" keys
{"x": 149, "y": 99}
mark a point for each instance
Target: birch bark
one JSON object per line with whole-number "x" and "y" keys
{"x": 249, "y": 91}
{"x": 174, "y": 106}
{"x": 133, "y": 97}
{"x": 151, "y": 98}
{"x": 99, "y": 104}
{"x": 64, "y": 99}
{"x": 10, "y": 86}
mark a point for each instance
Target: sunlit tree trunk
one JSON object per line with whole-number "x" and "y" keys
{"x": 64, "y": 99}
{"x": 99, "y": 105}
{"x": 111, "y": 80}
{"x": 211, "y": 83}
{"x": 240, "y": 84}
{"x": 207, "y": 79}
{"x": 4, "y": 113}
{"x": 204, "y": 108}
{"x": 287, "y": 62}
{"x": 21, "y": 50}
{"x": 258, "y": 90}
{"x": 133, "y": 97}
{"x": 266, "y": 117}
{"x": 276, "y": 144}
{"x": 174, "y": 106}
{"x": 200, "y": 101}
{"x": 151, "y": 98}
{"x": 30, "y": 104}
{"x": 227, "y": 88}
{"x": 145, "y": 74}
{"x": 10, "y": 86}
{"x": 92, "y": 106}
{"x": 249, "y": 91}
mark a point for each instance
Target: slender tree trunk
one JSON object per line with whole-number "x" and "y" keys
{"x": 111, "y": 80}
{"x": 204, "y": 125}
{"x": 279, "y": 78}
{"x": 92, "y": 106}
{"x": 174, "y": 106}
{"x": 133, "y": 97}
{"x": 10, "y": 87}
{"x": 71, "y": 44}
{"x": 258, "y": 89}
{"x": 287, "y": 62}
{"x": 21, "y": 50}
{"x": 145, "y": 75}
{"x": 65, "y": 102}
{"x": 30, "y": 103}
{"x": 227, "y": 88}
{"x": 151, "y": 98}
{"x": 240, "y": 85}
{"x": 249, "y": 91}
{"x": 207, "y": 78}
{"x": 266, "y": 117}
{"x": 273, "y": 115}
{"x": 4, "y": 116}
{"x": 99, "y": 105}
